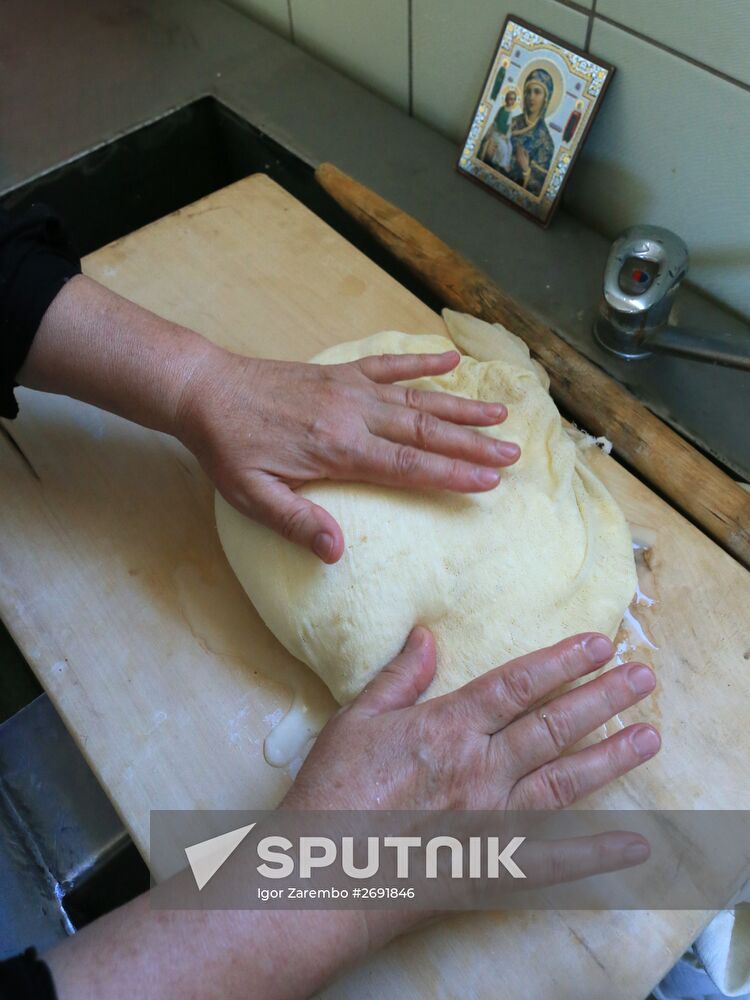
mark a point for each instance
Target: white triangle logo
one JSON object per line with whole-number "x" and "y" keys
{"x": 207, "y": 857}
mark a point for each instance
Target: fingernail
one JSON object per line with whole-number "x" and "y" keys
{"x": 323, "y": 545}
{"x": 487, "y": 477}
{"x": 507, "y": 450}
{"x": 636, "y": 853}
{"x": 598, "y": 649}
{"x": 646, "y": 741}
{"x": 415, "y": 639}
{"x": 641, "y": 679}
{"x": 498, "y": 410}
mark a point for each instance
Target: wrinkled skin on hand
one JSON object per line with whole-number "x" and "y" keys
{"x": 495, "y": 743}
{"x": 260, "y": 429}
{"x": 498, "y": 743}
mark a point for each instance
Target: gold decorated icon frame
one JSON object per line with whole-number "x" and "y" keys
{"x": 520, "y": 150}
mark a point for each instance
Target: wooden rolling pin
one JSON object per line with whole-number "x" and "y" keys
{"x": 689, "y": 480}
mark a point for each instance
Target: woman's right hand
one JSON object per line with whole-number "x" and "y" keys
{"x": 497, "y": 743}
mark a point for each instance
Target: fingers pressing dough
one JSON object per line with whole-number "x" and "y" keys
{"x": 494, "y": 575}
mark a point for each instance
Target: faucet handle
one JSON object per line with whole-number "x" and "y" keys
{"x": 644, "y": 269}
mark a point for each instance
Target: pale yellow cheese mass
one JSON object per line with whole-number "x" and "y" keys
{"x": 544, "y": 555}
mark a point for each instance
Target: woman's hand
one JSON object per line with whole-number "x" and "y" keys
{"x": 498, "y": 743}
{"x": 262, "y": 428}
{"x": 495, "y": 743}
{"x": 523, "y": 158}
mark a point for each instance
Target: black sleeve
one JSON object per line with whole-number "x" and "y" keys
{"x": 26, "y": 977}
{"x": 36, "y": 259}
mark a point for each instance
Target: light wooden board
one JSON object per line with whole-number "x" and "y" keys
{"x": 114, "y": 585}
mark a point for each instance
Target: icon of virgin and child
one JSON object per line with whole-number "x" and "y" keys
{"x": 520, "y": 146}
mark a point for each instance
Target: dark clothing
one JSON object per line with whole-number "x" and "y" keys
{"x": 36, "y": 259}
{"x": 26, "y": 977}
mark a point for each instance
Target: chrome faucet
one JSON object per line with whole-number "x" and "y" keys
{"x": 644, "y": 270}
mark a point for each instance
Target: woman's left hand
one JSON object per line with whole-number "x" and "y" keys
{"x": 260, "y": 429}
{"x": 523, "y": 157}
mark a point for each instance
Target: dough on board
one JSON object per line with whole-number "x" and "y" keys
{"x": 544, "y": 555}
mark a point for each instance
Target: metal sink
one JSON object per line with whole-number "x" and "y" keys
{"x": 65, "y": 857}
{"x": 143, "y": 175}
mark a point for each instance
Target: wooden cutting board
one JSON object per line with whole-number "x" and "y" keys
{"x": 113, "y": 583}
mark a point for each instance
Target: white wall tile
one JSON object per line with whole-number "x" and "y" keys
{"x": 272, "y": 13}
{"x": 670, "y": 147}
{"x": 366, "y": 39}
{"x": 453, "y": 44}
{"x": 715, "y": 32}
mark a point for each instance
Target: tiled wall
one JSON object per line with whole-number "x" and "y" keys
{"x": 671, "y": 144}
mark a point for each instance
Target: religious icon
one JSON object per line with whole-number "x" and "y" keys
{"x": 537, "y": 105}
